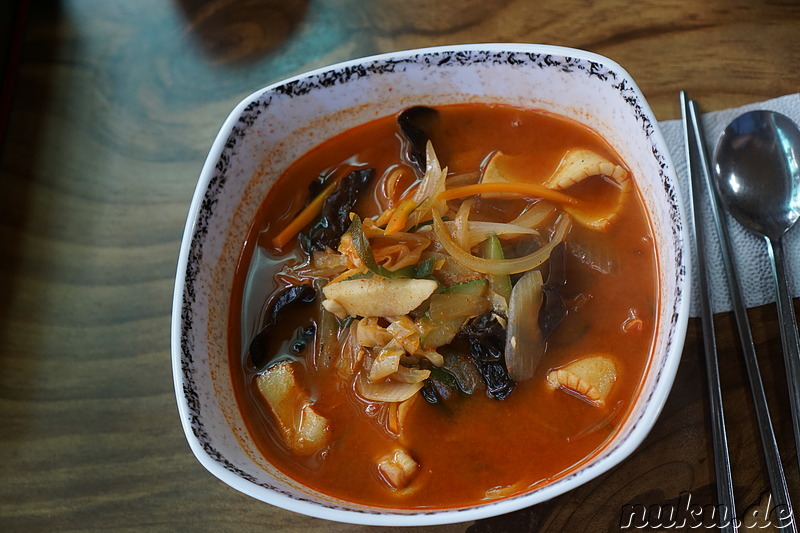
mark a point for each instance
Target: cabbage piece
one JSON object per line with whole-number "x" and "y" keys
{"x": 598, "y": 257}
{"x": 406, "y": 333}
{"x": 387, "y": 361}
{"x": 355, "y": 241}
{"x": 449, "y": 311}
{"x": 371, "y": 334}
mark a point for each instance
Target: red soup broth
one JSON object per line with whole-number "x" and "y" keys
{"x": 471, "y": 448}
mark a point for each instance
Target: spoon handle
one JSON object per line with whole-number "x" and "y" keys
{"x": 789, "y": 334}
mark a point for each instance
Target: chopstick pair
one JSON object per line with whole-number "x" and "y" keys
{"x": 698, "y": 169}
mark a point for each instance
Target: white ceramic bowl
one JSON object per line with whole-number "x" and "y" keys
{"x": 270, "y": 128}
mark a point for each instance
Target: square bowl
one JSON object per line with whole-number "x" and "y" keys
{"x": 272, "y": 127}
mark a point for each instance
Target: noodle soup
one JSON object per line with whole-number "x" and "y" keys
{"x": 442, "y": 307}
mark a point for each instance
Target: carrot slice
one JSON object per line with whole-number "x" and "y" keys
{"x": 306, "y": 216}
{"x": 400, "y": 216}
{"x": 530, "y": 190}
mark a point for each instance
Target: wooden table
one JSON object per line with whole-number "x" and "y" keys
{"x": 115, "y": 106}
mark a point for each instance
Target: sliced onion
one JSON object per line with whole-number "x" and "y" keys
{"x": 499, "y": 266}
{"x": 430, "y": 187}
{"x": 433, "y": 174}
{"x": 328, "y": 338}
{"x": 535, "y": 215}
{"x": 461, "y": 225}
{"x": 405, "y": 374}
{"x": 385, "y": 391}
{"x": 351, "y": 353}
{"x": 479, "y": 231}
{"x": 431, "y": 355}
{"x": 524, "y": 340}
{"x": 466, "y": 178}
{"x": 450, "y": 272}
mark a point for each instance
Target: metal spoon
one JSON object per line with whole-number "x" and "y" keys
{"x": 757, "y": 175}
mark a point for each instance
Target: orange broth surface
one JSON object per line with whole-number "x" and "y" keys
{"x": 472, "y": 448}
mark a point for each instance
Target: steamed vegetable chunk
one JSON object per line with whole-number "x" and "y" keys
{"x": 303, "y": 429}
{"x": 417, "y": 320}
{"x": 397, "y": 468}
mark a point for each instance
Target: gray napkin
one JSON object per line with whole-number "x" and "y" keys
{"x": 752, "y": 262}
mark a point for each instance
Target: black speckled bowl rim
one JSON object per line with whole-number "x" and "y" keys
{"x": 202, "y": 210}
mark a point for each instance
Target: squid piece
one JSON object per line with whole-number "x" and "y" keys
{"x": 303, "y": 429}
{"x": 590, "y": 378}
{"x": 576, "y": 166}
{"x": 397, "y": 468}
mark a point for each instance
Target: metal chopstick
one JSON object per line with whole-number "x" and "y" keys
{"x": 719, "y": 439}
{"x": 777, "y": 479}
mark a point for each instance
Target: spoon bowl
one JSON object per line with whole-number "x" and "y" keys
{"x": 757, "y": 176}
{"x": 758, "y": 172}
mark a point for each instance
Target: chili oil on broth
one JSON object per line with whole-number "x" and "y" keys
{"x": 474, "y": 448}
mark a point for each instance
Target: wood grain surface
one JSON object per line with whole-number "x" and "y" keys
{"x": 115, "y": 107}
